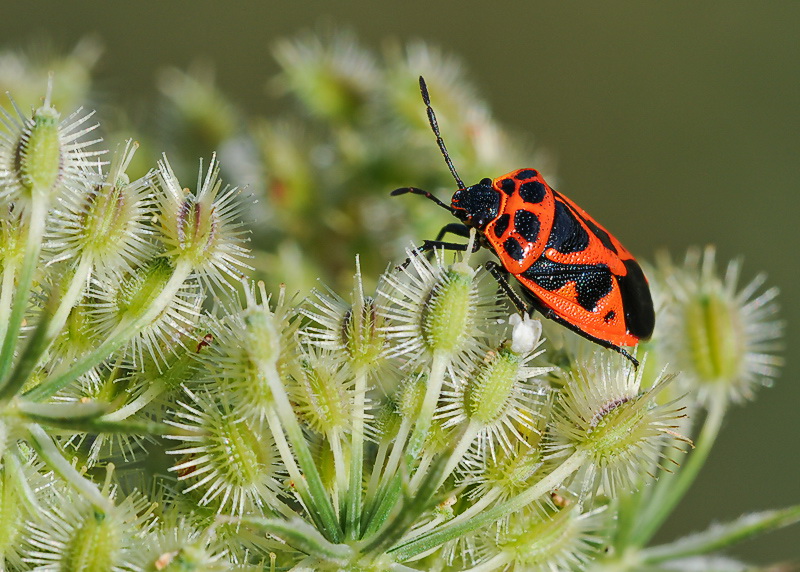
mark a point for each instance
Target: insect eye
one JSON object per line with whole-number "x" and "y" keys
{"x": 486, "y": 181}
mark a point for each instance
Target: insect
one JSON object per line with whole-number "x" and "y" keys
{"x": 572, "y": 270}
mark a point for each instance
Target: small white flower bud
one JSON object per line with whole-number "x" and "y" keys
{"x": 525, "y": 334}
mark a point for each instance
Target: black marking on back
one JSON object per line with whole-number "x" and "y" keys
{"x": 532, "y": 192}
{"x": 601, "y": 234}
{"x": 610, "y": 315}
{"x": 567, "y": 234}
{"x": 501, "y": 224}
{"x": 508, "y": 186}
{"x": 526, "y": 174}
{"x": 592, "y": 281}
{"x": 640, "y": 318}
{"x": 513, "y": 248}
{"x": 527, "y": 225}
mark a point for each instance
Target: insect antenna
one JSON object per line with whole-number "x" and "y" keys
{"x": 423, "y": 88}
{"x": 426, "y": 194}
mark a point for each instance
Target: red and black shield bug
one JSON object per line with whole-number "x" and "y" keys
{"x": 572, "y": 270}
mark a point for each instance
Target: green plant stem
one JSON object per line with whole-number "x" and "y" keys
{"x": 122, "y": 333}
{"x": 285, "y": 451}
{"x": 464, "y": 442}
{"x": 453, "y": 530}
{"x": 720, "y": 536}
{"x": 384, "y": 507}
{"x": 398, "y": 447}
{"x": 154, "y": 390}
{"x": 319, "y": 503}
{"x": 33, "y": 245}
{"x": 401, "y": 521}
{"x": 334, "y": 438}
{"x": 13, "y": 468}
{"x": 380, "y": 502}
{"x": 72, "y": 296}
{"x": 377, "y": 468}
{"x": 302, "y": 537}
{"x": 10, "y": 269}
{"x": 51, "y": 455}
{"x": 29, "y": 357}
{"x": 434, "y": 388}
{"x": 352, "y": 524}
{"x": 671, "y": 487}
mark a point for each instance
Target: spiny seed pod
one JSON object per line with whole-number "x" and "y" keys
{"x": 603, "y": 412}
{"x": 40, "y": 154}
{"x": 722, "y": 338}
{"x": 202, "y": 229}
{"x": 436, "y": 308}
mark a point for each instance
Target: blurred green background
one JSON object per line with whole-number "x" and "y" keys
{"x": 674, "y": 123}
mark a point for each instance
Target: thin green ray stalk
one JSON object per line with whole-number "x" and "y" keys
{"x": 377, "y": 468}
{"x": 33, "y": 245}
{"x": 285, "y": 451}
{"x": 385, "y": 484}
{"x": 352, "y": 524}
{"x": 302, "y": 537}
{"x": 122, "y": 333}
{"x": 340, "y": 484}
{"x": 434, "y": 388}
{"x": 451, "y": 531}
{"x": 51, "y": 455}
{"x": 320, "y": 507}
{"x": 396, "y": 456}
{"x": 29, "y": 356}
{"x": 72, "y": 296}
{"x": 464, "y": 442}
{"x": 672, "y": 487}
{"x": 10, "y": 269}
{"x": 383, "y": 508}
{"x": 154, "y": 390}
{"x": 721, "y": 536}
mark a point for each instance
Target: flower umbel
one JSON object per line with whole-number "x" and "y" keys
{"x": 407, "y": 427}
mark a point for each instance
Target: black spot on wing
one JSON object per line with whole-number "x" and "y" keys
{"x": 513, "y": 248}
{"x": 508, "y": 186}
{"x": 592, "y": 282}
{"x": 527, "y": 225}
{"x": 567, "y": 234}
{"x": 526, "y": 174}
{"x": 610, "y": 315}
{"x": 532, "y": 192}
{"x": 640, "y": 318}
{"x": 501, "y": 225}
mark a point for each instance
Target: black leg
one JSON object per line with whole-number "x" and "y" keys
{"x": 501, "y": 275}
{"x": 456, "y": 228}
{"x": 429, "y": 245}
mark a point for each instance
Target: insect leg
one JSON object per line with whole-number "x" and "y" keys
{"x": 430, "y": 245}
{"x": 501, "y": 275}
{"x": 456, "y": 228}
